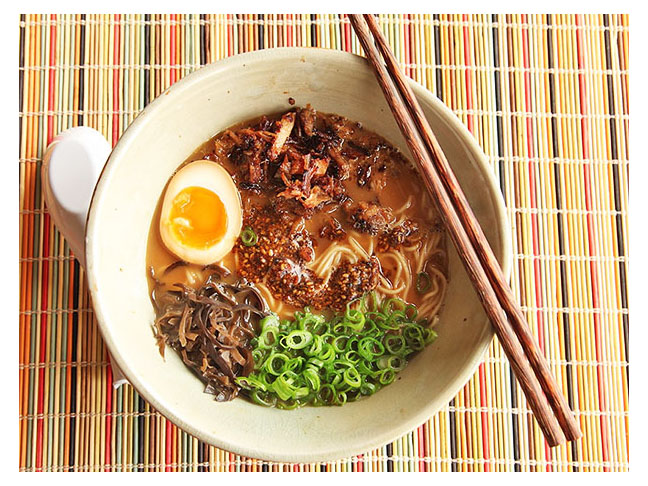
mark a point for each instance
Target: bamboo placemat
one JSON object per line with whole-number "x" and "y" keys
{"x": 546, "y": 96}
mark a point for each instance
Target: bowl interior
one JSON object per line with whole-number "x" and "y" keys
{"x": 186, "y": 115}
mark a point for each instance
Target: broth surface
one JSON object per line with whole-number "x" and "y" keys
{"x": 380, "y": 178}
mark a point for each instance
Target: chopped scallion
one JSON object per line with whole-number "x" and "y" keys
{"x": 314, "y": 360}
{"x": 249, "y": 237}
{"x": 423, "y": 282}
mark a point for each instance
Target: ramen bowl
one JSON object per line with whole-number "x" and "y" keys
{"x": 165, "y": 134}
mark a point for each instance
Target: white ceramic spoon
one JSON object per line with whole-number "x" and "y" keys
{"x": 71, "y": 168}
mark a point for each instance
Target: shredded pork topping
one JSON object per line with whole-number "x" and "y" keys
{"x": 305, "y": 157}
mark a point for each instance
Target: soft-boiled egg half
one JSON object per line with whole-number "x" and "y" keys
{"x": 201, "y": 214}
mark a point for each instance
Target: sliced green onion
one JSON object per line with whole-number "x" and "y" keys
{"x": 251, "y": 383}
{"x": 315, "y": 346}
{"x": 313, "y": 324}
{"x": 385, "y": 377}
{"x": 423, "y": 282}
{"x": 312, "y": 379}
{"x": 395, "y": 343}
{"x": 328, "y": 353}
{"x": 394, "y": 363}
{"x": 354, "y": 319}
{"x": 339, "y": 327}
{"x": 340, "y": 343}
{"x": 388, "y": 323}
{"x": 370, "y": 347}
{"x": 328, "y": 337}
{"x": 269, "y": 321}
{"x": 275, "y": 363}
{"x": 368, "y": 388}
{"x": 295, "y": 364}
{"x": 391, "y": 305}
{"x": 352, "y": 378}
{"x": 430, "y": 335}
{"x": 258, "y": 355}
{"x": 370, "y": 328}
{"x": 297, "y": 339}
{"x": 289, "y": 404}
{"x": 413, "y": 334}
{"x": 353, "y": 357}
{"x": 315, "y": 363}
{"x": 312, "y": 359}
{"x": 284, "y": 385}
{"x": 263, "y": 398}
{"x": 367, "y": 368}
{"x": 327, "y": 394}
{"x": 411, "y": 312}
{"x": 249, "y": 237}
{"x": 267, "y": 338}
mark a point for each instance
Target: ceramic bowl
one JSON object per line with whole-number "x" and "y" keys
{"x": 166, "y": 133}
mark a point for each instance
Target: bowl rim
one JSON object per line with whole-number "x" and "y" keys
{"x": 240, "y": 60}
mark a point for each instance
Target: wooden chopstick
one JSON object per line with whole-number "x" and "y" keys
{"x": 463, "y": 237}
{"x": 504, "y": 293}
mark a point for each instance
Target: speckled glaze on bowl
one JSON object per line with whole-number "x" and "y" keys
{"x": 163, "y": 135}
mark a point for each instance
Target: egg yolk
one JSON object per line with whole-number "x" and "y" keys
{"x": 198, "y": 218}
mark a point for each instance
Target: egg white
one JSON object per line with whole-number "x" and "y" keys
{"x": 211, "y": 176}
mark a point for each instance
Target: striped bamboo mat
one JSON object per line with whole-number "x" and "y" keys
{"x": 546, "y": 96}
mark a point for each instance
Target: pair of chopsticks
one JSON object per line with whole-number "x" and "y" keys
{"x": 529, "y": 365}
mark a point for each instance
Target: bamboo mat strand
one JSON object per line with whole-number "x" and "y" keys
{"x": 546, "y": 97}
